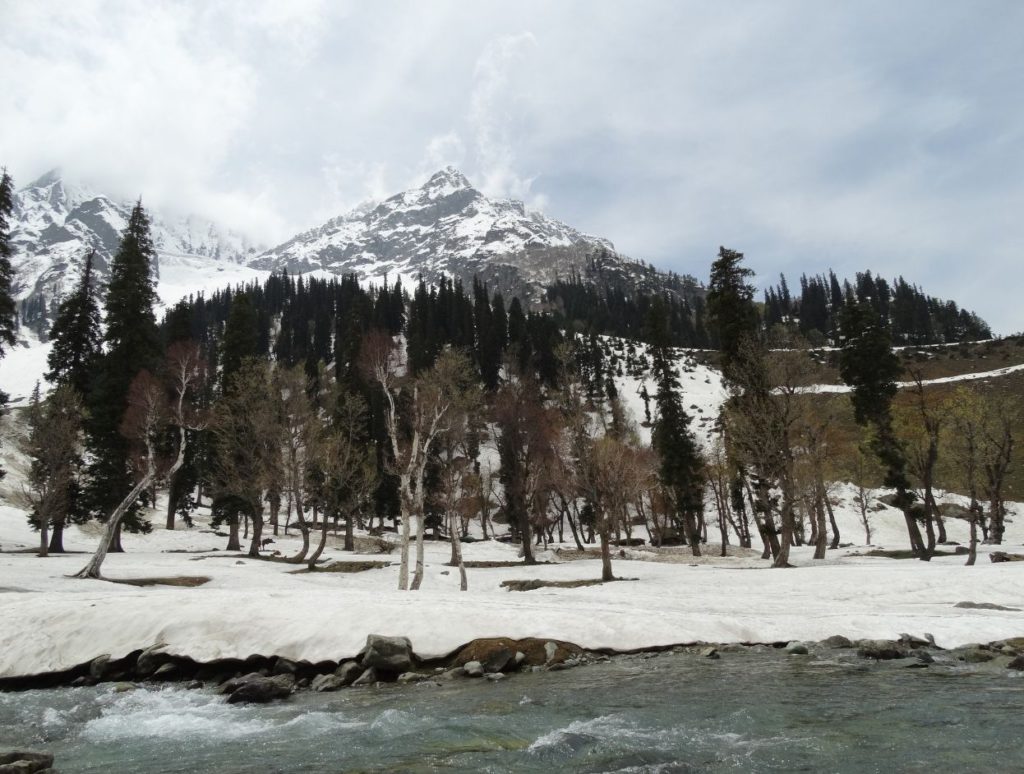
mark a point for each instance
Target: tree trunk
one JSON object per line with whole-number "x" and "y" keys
{"x": 832, "y": 522}
{"x": 113, "y": 528}
{"x": 524, "y": 529}
{"x": 171, "y": 503}
{"x": 44, "y": 536}
{"x": 407, "y": 501}
{"x": 606, "y": 554}
{"x": 350, "y": 539}
{"x": 972, "y": 552}
{"x": 57, "y": 538}
{"x": 916, "y": 542}
{"x": 821, "y": 544}
{"x": 234, "y": 544}
{"x": 115, "y": 546}
{"x": 457, "y": 554}
{"x": 421, "y": 528}
{"x": 311, "y": 564}
{"x": 257, "y": 532}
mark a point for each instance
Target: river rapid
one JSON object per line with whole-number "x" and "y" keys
{"x": 753, "y": 710}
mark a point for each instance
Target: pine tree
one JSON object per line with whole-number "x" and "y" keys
{"x": 730, "y": 304}
{"x": 240, "y": 337}
{"x": 869, "y": 366}
{"x": 132, "y": 344}
{"x": 76, "y": 335}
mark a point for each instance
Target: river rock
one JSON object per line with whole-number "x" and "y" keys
{"x": 549, "y": 650}
{"x": 25, "y": 761}
{"x": 924, "y": 656}
{"x": 369, "y": 677}
{"x": 150, "y": 660}
{"x": 796, "y": 649}
{"x": 261, "y": 690}
{"x": 327, "y": 683}
{"x": 837, "y": 641}
{"x": 495, "y": 676}
{"x": 123, "y": 687}
{"x": 348, "y": 672}
{"x": 285, "y": 666}
{"x": 392, "y": 655}
{"x": 976, "y": 655}
{"x": 880, "y": 650}
{"x": 412, "y": 677}
{"x": 1017, "y": 664}
{"x": 473, "y": 669}
{"x": 168, "y": 671}
{"x": 710, "y": 652}
{"x": 520, "y": 658}
{"x": 233, "y": 684}
{"x": 98, "y": 666}
{"x": 500, "y": 660}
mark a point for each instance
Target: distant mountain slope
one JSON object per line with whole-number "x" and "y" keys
{"x": 56, "y": 222}
{"x": 447, "y": 227}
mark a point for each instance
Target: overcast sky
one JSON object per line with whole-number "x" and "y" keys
{"x": 808, "y": 135}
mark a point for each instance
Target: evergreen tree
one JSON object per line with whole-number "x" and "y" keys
{"x": 132, "y": 344}
{"x": 240, "y": 337}
{"x": 76, "y": 335}
{"x": 869, "y": 366}
{"x": 730, "y": 304}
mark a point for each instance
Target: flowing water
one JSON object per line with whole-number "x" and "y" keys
{"x": 748, "y": 711}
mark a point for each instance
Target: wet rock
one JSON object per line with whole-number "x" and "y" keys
{"x": 392, "y": 655}
{"x": 369, "y": 677}
{"x": 880, "y": 650}
{"x": 473, "y": 669}
{"x": 1017, "y": 664}
{"x": 168, "y": 671}
{"x": 549, "y": 650}
{"x": 412, "y": 677}
{"x": 123, "y": 687}
{"x": 567, "y": 664}
{"x": 500, "y": 660}
{"x": 150, "y": 660}
{"x": 709, "y": 652}
{"x": 495, "y": 676}
{"x": 327, "y": 683}
{"x": 82, "y": 681}
{"x": 285, "y": 666}
{"x": 914, "y": 642}
{"x": 194, "y": 685}
{"x": 233, "y": 684}
{"x": 25, "y": 761}
{"x": 261, "y": 690}
{"x": 99, "y": 666}
{"x": 837, "y": 641}
{"x": 348, "y": 672}
{"x": 520, "y": 658}
{"x": 796, "y": 649}
{"x": 976, "y": 655}
{"x": 924, "y": 656}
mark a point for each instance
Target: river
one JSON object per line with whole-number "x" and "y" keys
{"x": 751, "y": 711}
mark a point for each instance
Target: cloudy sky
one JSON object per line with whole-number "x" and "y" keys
{"x": 808, "y": 135}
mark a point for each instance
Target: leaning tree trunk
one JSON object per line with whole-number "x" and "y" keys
{"x": 832, "y": 522}
{"x": 311, "y": 564}
{"x": 92, "y": 569}
{"x": 57, "y": 537}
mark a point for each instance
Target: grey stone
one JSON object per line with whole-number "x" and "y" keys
{"x": 880, "y": 650}
{"x": 123, "y": 687}
{"x": 193, "y": 685}
{"x": 412, "y": 677}
{"x": 348, "y": 672}
{"x": 499, "y": 661}
{"x": 495, "y": 676}
{"x": 837, "y": 641}
{"x": 233, "y": 684}
{"x": 977, "y": 656}
{"x": 473, "y": 669}
{"x": 150, "y": 660}
{"x": 25, "y": 760}
{"x": 261, "y": 690}
{"x": 167, "y": 671}
{"x": 388, "y": 654}
{"x": 796, "y": 649}
{"x": 369, "y": 677}
{"x": 1017, "y": 664}
{"x": 550, "y": 649}
{"x": 924, "y": 657}
{"x": 82, "y": 681}
{"x": 709, "y": 652}
{"x": 98, "y": 666}
{"x": 327, "y": 683}
{"x": 569, "y": 663}
{"x": 520, "y": 658}
{"x": 285, "y": 666}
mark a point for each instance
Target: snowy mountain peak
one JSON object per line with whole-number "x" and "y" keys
{"x": 445, "y": 182}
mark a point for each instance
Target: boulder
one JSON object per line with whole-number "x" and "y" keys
{"x": 500, "y": 660}
{"x": 348, "y": 672}
{"x": 233, "y": 684}
{"x": 284, "y": 666}
{"x": 99, "y": 666}
{"x": 1017, "y": 664}
{"x": 550, "y": 649}
{"x": 976, "y": 656}
{"x": 25, "y": 761}
{"x": 123, "y": 687}
{"x": 369, "y": 677}
{"x": 837, "y": 641}
{"x": 261, "y": 690}
{"x": 880, "y": 650}
{"x": 473, "y": 669}
{"x": 495, "y": 676}
{"x": 327, "y": 683}
{"x": 167, "y": 671}
{"x": 150, "y": 660}
{"x": 536, "y": 652}
{"x": 710, "y": 652}
{"x": 390, "y": 655}
{"x": 796, "y": 649}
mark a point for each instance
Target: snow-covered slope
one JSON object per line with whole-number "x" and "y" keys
{"x": 447, "y": 227}
{"x": 57, "y": 222}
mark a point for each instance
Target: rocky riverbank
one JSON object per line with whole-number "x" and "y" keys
{"x": 259, "y": 678}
